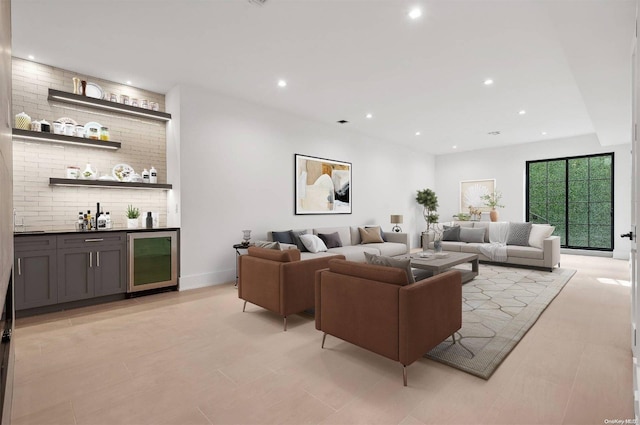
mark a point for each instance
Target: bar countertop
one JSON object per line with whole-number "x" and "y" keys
{"x": 91, "y": 232}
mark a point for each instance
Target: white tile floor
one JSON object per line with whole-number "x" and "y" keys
{"x": 194, "y": 358}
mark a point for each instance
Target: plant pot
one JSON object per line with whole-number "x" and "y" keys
{"x": 493, "y": 214}
{"x": 132, "y": 223}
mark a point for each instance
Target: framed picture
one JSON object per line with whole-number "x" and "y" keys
{"x": 471, "y": 192}
{"x": 323, "y": 186}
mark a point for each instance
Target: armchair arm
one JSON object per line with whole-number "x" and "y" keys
{"x": 259, "y": 281}
{"x": 297, "y": 280}
{"x": 430, "y": 310}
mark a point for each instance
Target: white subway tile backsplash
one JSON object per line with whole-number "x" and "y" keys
{"x": 45, "y": 207}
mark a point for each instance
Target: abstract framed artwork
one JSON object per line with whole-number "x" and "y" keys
{"x": 323, "y": 186}
{"x": 471, "y": 192}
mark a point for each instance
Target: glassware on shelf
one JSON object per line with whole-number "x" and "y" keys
{"x": 104, "y": 133}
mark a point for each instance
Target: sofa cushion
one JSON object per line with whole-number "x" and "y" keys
{"x": 384, "y": 239}
{"x": 382, "y": 260}
{"x": 313, "y": 243}
{"x": 370, "y": 235}
{"x": 331, "y": 240}
{"x": 390, "y": 249}
{"x": 295, "y": 235}
{"x": 282, "y": 237}
{"x": 274, "y": 255}
{"x": 472, "y": 235}
{"x": 451, "y": 246}
{"x": 525, "y": 252}
{"x": 483, "y": 225}
{"x": 519, "y": 234}
{"x": 355, "y": 252}
{"x": 267, "y": 244}
{"x": 539, "y": 232}
{"x": 471, "y": 248}
{"x": 370, "y": 272}
{"x": 343, "y": 231}
{"x": 451, "y": 233}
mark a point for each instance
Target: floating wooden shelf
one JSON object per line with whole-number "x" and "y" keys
{"x": 77, "y": 99}
{"x": 61, "y": 138}
{"x": 108, "y": 184}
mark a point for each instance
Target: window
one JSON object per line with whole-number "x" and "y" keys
{"x": 576, "y": 196}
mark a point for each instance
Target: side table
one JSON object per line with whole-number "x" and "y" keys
{"x": 238, "y": 247}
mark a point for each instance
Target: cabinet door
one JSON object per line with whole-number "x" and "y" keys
{"x": 110, "y": 270}
{"x": 75, "y": 274}
{"x": 35, "y": 279}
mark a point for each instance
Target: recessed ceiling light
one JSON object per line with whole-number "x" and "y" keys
{"x": 522, "y": 112}
{"x": 488, "y": 82}
{"x": 369, "y": 116}
{"x": 454, "y": 147}
{"x": 544, "y": 133}
{"x": 129, "y": 82}
{"x": 415, "y": 13}
{"x": 282, "y": 83}
{"x": 31, "y": 57}
{"x": 417, "y": 133}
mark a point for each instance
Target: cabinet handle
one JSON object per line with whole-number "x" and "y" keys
{"x": 93, "y": 240}
{"x": 90, "y": 259}
{"x": 19, "y": 268}
{"x": 98, "y": 257}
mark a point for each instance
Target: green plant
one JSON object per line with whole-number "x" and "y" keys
{"x": 429, "y": 201}
{"x": 492, "y": 199}
{"x": 132, "y": 212}
{"x": 462, "y": 216}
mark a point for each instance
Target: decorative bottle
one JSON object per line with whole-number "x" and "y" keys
{"x": 145, "y": 176}
{"x": 153, "y": 177}
{"x": 149, "y": 220}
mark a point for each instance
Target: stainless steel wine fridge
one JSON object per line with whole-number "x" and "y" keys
{"x": 153, "y": 260}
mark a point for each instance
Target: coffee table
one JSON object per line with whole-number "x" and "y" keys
{"x": 440, "y": 265}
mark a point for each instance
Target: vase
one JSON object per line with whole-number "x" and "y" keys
{"x": 437, "y": 245}
{"x": 493, "y": 214}
{"x": 132, "y": 223}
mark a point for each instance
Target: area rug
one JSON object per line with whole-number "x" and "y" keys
{"x": 498, "y": 308}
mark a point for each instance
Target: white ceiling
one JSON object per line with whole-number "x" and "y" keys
{"x": 566, "y": 62}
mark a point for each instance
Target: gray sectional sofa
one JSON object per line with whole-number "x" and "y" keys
{"x": 352, "y": 247}
{"x": 546, "y": 256}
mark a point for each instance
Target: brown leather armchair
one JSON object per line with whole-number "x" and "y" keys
{"x": 278, "y": 280}
{"x": 375, "y": 308}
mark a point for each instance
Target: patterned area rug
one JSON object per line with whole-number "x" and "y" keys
{"x": 498, "y": 308}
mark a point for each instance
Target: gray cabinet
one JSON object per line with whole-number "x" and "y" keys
{"x": 35, "y": 276}
{"x": 91, "y": 265}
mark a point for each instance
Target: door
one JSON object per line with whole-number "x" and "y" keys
{"x": 110, "y": 268}
{"x": 75, "y": 274}
{"x": 35, "y": 279}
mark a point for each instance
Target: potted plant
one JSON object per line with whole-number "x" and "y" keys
{"x": 429, "y": 201}
{"x": 492, "y": 200}
{"x": 132, "y": 217}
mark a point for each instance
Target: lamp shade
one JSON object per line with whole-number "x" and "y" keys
{"x": 396, "y": 219}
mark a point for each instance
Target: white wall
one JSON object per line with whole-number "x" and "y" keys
{"x": 507, "y": 166}
{"x": 236, "y": 163}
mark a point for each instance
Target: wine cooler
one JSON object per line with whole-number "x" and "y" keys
{"x": 153, "y": 260}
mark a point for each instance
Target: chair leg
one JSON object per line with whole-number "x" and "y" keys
{"x": 244, "y": 306}
{"x": 285, "y": 323}
{"x": 404, "y": 374}
{"x": 453, "y": 335}
{"x": 324, "y": 336}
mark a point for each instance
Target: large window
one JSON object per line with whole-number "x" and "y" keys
{"x": 576, "y": 196}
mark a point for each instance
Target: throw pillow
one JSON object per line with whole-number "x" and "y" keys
{"x": 451, "y": 233}
{"x": 471, "y": 235}
{"x": 370, "y": 234}
{"x": 384, "y": 239}
{"x": 519, "y": 234}
{"x": 267, "y": 244}
{"x": 313, "y": 243}
{"x": 331, "y": 240}
{"x": 539, "y": 232}
{"x": 282, "y": 237}
{"x": 391, "y": 262}
{"x": 295, "y": 236}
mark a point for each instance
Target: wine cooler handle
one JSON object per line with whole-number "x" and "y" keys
{"x": 90, "y": 259}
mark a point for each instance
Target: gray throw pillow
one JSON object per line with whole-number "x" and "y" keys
{"x": 471, "y": 235}
{"x": 391, "y": 262}
{"x": 451, "y": 233}
{"x": 519, "y": 234}
{"x": 331, "y": 240}
{"x": 267, "y": 244}
{"x": 282, "y": 237}
{"x": 295, "y": 235}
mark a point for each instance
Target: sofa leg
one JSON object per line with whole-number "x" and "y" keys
{"x": 324, "y": 336}
{"x": 404, "y": 375}
{"x": 244, "y": 306}
{"x": 285, "y": 323}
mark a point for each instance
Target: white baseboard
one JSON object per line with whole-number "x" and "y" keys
{"x": 207, "y": 279}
